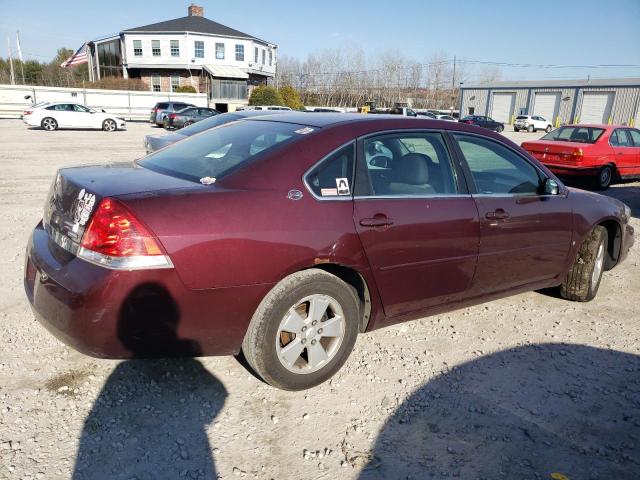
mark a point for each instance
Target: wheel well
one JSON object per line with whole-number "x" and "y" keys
{"x": 614, "y": 237}
{"x": 353, "y": 278}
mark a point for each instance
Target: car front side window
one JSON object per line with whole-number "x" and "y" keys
{"x": 497, "y": 170}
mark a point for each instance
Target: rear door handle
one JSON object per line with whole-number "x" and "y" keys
{"x": 498, "y": 214}
{"x": 376, "y": 221}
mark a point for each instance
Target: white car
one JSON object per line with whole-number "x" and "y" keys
{"x": 448, "y": 118}
{"x": 71, "y": 115}
{"x": 532, "y": 123}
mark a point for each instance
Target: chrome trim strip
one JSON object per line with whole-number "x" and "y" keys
{"x": 410, "y": 197}
{"x": 135, "y": 262}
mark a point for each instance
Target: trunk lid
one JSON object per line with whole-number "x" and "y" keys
{"x": 555, "y": 151}
{"x": 76, "y": 193}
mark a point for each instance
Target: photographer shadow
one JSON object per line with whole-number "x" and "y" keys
{"x": 150, "y": 419}
{"x": 525, "y": 413}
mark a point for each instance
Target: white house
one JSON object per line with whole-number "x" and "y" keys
{"x": 191, "y": 50}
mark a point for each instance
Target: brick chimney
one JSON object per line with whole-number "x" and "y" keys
{"x": 196, "y": 10}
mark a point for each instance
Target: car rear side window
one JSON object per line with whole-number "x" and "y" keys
{"x": 619, "y": 138}
{"x": 209, "y": 123}
{"x": 496, "y": 169}
{"x": 217, "y": 152}
{"x": 408, "y": 164}
{"x": 162, "y": 106}
{"x": 333, "y": 177}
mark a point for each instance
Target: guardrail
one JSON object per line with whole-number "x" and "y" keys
{"x": 128, "y": 104}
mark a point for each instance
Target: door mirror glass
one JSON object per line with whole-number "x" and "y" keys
{"x": 550, "y": 187}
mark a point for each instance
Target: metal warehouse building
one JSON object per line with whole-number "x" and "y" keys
{"x": 614, "y": 101}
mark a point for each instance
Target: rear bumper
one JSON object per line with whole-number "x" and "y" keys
{"x": 132, "y": 314}
{"x": 572, "y": 170}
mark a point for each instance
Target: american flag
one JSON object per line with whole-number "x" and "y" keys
{"x": 77, "y": 58}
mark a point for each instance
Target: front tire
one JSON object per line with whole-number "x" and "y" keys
{"x": 49, "y": 124}
{"x": 109, "y": 125}
{"x": 303, "y": 330}
{"x": 583, "y": 280}
{"x": 605, "y": 176}
{"x": 499, "y": 128}
{"x": 516, "y": 129}
{"x": 548, "y": 129}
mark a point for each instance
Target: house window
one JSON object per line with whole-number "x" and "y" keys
{"x": 137, "y": 48}
{"x": 175, "y": 82}
{"x": 255, "y": 54}
{"x": 155, "y": 83}
{"x": 270, "y": 58}
{"x": 239, "y": 53}
{"x": 264, "y": 56}
{"x": 155, "y": 48}
{"x": 175, "y": 48}
{"x": 199, "y": 49}
{"x": 220, "y": 51}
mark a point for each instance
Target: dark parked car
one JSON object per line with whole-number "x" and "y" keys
{"x": 156, "y": 142}
{"x": 187, "y": 116}
{"x": 484, "y": 122}
{"x": 285, "y": 236}
{"x": 162, "y": 109}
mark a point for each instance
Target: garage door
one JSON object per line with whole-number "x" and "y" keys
{"x": 547, "y": 105}
{"x": 502, "y": 106}
{"x": 596, "y": 107}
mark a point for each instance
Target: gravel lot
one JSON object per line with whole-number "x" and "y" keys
{"x": 519, "y": 388}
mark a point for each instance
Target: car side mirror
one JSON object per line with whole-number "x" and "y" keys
{"x": 550, "y": 187}
{"x": 379, "y": 161}
{"x": 103, "y": 111}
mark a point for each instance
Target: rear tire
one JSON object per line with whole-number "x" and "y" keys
{"x": 49, "y": 124}
{"x": 583, "y": 280}
{"x": 530, "y": 128}
{"x": 278, "y": 342}
{"x": 109, "y": 125}
{"x": 499, "y": 128}
{"x": 187, "y": 123}
{"x": 604, "y": 178}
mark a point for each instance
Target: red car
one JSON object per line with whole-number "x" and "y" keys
{"x": 285, "y": 236}
{"x": 602, "y": 152}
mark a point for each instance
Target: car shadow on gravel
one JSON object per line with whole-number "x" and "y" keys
{"x": 525, "y": 413}
{"x": 151, "y": 417}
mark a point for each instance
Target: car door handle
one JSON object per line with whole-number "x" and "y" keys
{"x": 498, "y": 214}
{"x": 376, "y": 221}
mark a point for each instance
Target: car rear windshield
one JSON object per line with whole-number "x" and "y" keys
{"x": 162, "y": 106}
{"x": 521, "y": 117}
{"x": 575, "y": 134}
{"x": 217, "y": 152}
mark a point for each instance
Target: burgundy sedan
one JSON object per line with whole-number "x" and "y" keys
{"x": 283, "y": 237}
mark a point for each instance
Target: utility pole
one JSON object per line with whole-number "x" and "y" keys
{"x": 453, "y": 84}
{"x": 13, "y": 76}
{"x": 20, "y": 55}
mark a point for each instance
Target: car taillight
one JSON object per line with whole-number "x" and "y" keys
{"x": 172, "y": 116}
{"x": 116, "y": 239}
{"x": 577, "y": 153}
{"x": 27, "y": 112}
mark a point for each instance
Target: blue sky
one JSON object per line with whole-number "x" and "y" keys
{"x": 585, "y": 32}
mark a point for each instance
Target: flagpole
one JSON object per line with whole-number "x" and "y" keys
{"x": 13, "y": 76}
{"x": 20, "y": 55}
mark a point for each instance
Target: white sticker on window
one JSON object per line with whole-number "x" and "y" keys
{"x": 327, "y": 192}
{"x": 343, "y": 186}
{"x": 304, "y": 131}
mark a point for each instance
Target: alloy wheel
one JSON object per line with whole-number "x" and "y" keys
{"x": 310, "y": 334}
{"x": 597, "y": 268}
{"x": 109, "y": 126}
{"x": 49, "y": 124}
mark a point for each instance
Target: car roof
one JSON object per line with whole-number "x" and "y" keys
{"x": 257, "y": 113}
{"x": 594, "y": 125}
{"x": 325, "y": 119}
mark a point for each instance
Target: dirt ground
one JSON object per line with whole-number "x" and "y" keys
{"x": 520, "y": 388}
